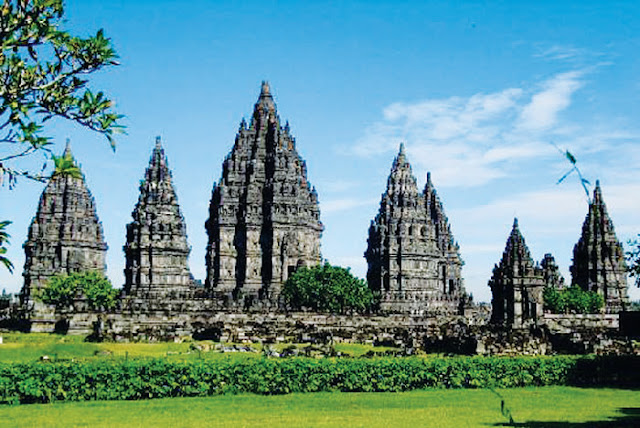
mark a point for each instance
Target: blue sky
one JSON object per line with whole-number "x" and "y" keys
{"x": 477, "y": 91}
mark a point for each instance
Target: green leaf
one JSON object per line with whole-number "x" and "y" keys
{"x": 571, "y": 158}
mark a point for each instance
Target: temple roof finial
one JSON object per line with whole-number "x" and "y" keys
{"x": 67, "y": 149}
{"x": 597, "y": 193}
{"x": 515, "y": 222}
{"x": 401, "y": 159}
{"x": 265, "y": 91}
{"x": 158, "y": 142}
{"x": 265, "y": 100}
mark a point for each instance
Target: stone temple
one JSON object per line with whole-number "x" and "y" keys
{"x": 413, "y": 260}
{"x": 264, "y": 218}
{"x": 65, "y": 235}
{"x": 156, "y": 251}
{"x": 517, "y": 284}
{"x": 598, "y": 257}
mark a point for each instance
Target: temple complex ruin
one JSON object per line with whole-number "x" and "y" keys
{"x": 65, "y": 235}
{"x": 598, "y": 257}
{"x": 264, "y": 223}
{"x": 264, "y": 217}
{"x": 156, "y": 250}
{"x": 413, "y": 260}
{"x": 516, "y": 285}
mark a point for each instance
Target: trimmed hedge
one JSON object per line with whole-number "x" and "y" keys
{"x": 143, "y": 379}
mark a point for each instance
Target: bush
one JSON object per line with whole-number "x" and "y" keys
{"x": 572, "y": 300}
{"x": 62, "y": 290}
{"x": 142, "y": 379}
{"x": 327, "y": 288}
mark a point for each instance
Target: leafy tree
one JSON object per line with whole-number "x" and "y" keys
{"x": 43, "y": 75}
{"x": 327, "y": 288}
{"x": 62, "y": 290}
{"x": 65, "y": 165}
{"x": 572, "y": 300}
{"x": 633, "y": 260}
{"x": 4, "y": 240}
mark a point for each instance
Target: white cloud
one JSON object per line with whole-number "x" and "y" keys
{"x": 542, "y": 112}
{"x": 561, "y": 53}
{"x": 471, "y": 141}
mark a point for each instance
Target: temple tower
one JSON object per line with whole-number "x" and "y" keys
{"x": 551, "y": 272}
{"x": 264, "y": 218}
{"x": 598, "y": 257}
{"x": 516, "y": 285}
{"x": 156, "y": 251}
{"x": 65, "y": 235}
{"x": 412, "y": 258}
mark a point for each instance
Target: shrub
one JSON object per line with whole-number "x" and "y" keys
{"x": 327, "y": 288}
{"x": 142, "y": 379}
{"x": 62, "y": 290}
{"x": 572, "y": 300}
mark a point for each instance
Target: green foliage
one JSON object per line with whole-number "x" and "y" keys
{"x": 572, "y": 300}
{"x": 62, "y": 290}
{"x": 4, "y": 241}
{"x": 574, "y": 168}
{"x": 327, "y": 288}
{"x": 633, "y": 260}
{"x": 43, "y": 73}
{"x": 142, "y": 379}
{"x": 65, "y": 165}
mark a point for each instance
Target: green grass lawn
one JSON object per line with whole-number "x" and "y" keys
{"x": 530, "y": 407}
{"x": 29, "y": 347}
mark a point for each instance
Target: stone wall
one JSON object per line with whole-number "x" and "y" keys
{"x": 298, "y": 327}
{"x": 469, "y": 334}
{"x": 566, "y": 323}
{"x": 574, "y": 334}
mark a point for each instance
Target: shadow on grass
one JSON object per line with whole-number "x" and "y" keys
{"x": 630, "y": 418}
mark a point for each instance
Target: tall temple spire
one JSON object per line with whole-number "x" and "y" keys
{"x": 598, "y": 257}
{"x": 400, "y": 161}
{"x": 516, "y": 256}
{"x": 67, "y": 149}
{"x": 516, "y": 284}
{"x": 265, "y": 90}
{"x": 265, "y": 104}
{"x": 412, "y": 259}
{"x": 65, "y": 235}
{"x": 264, "y": 218}
{"x": 156, "y": 250}
{"x": 402, "y": 186}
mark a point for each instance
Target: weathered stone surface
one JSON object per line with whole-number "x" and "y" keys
{"x": 451, "y": 334}
{"x": 65, "y": 235}
{"x": 264, "y": 218}
{"x": 598, "y": 257}
{"x": 412, "y": 257}
{"x": 156, "y": 251}
{"x": 551, "y": 272}
{"x": 516, "y": 285}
